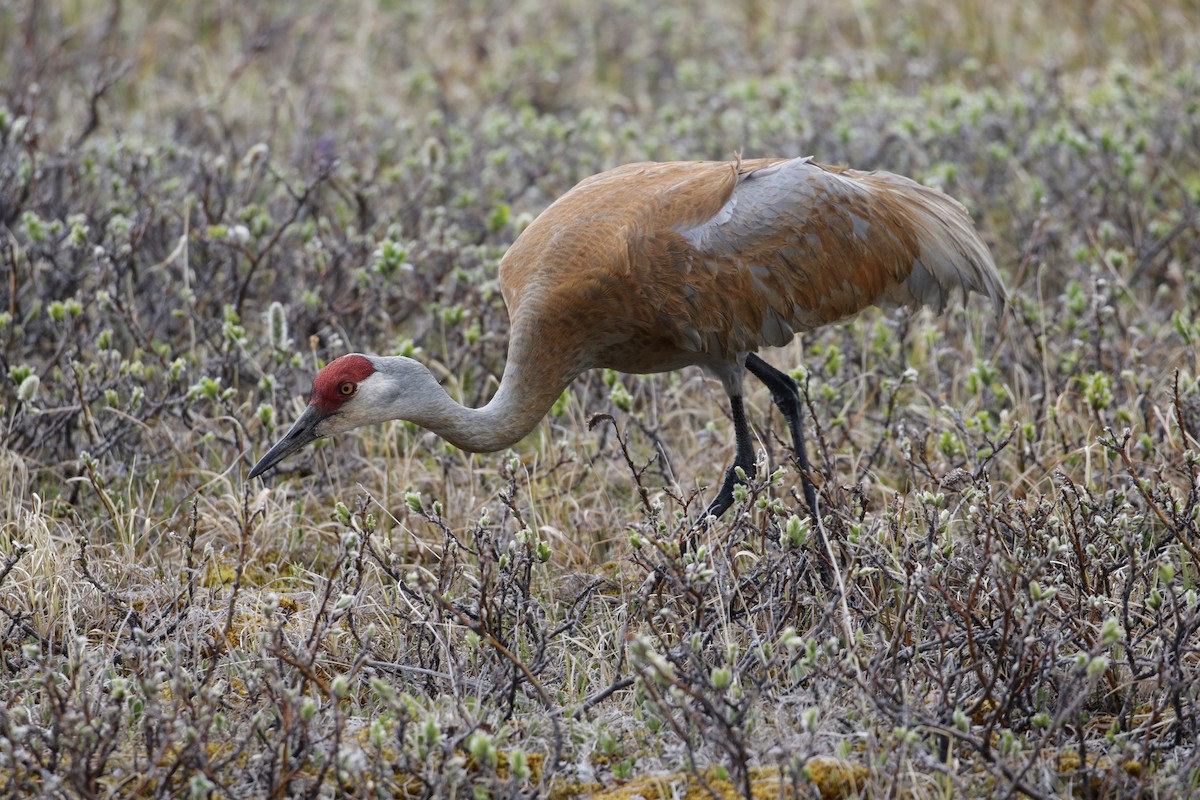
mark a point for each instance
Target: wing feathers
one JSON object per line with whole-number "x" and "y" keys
{"x": 824, "y": 243}
{"x": 952, "y": 254}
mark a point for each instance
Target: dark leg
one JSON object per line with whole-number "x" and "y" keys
{"x": 744, "y": 459}
{"x": 787, "y": 397}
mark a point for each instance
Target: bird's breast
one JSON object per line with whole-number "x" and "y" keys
{"x": 642, "y": 357}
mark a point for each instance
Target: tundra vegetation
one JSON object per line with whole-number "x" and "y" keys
{"x": 201, "y": 203}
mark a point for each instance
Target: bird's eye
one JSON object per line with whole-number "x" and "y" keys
{"x": 348, "y": 388}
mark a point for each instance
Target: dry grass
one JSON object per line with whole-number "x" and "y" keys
{"x": 1006, "y": 602}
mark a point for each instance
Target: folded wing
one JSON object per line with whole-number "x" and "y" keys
{"x": 798, "y": 245}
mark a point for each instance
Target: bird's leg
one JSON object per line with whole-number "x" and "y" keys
{"x": 744, "y": 459}
{"x": 786, "y": 395}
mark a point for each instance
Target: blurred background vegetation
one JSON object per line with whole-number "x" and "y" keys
{"x": 203, "y": 202}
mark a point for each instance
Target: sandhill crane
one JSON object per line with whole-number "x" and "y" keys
{"x": 656, "y": 266}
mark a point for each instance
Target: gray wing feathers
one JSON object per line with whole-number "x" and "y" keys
{"x": 772, "y": 207}
{"x": 755, "y": 207}
{"x": 952, "y": 254}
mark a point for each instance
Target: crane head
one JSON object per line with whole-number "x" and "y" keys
{"x": 334, "y": 392}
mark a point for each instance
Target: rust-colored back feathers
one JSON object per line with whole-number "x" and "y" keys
{"x": 650, "y": 266}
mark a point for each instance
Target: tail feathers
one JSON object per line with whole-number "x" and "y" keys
{"x": 952, "y": 254}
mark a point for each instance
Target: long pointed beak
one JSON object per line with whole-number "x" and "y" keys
{"x": 302, "y": 432}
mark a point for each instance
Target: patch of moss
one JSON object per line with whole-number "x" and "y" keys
{"x": 832, "y": 778}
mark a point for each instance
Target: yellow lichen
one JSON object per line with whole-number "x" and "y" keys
{"x": 983, "y": 711}
{"x": 1068, "y": 765}
{"x": 1069, "y": 761}
{"x": 833, "y": 780}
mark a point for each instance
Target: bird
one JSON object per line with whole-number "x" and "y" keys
{"x": 655, "y": 266}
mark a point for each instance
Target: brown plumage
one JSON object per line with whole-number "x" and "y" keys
{"x": 656, "y": 266}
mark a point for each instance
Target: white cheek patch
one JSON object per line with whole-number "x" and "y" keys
{"x": 361, "y": 408}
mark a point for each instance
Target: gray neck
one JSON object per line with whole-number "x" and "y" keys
{"x": 534, "y": 377}
{"x": 515, "y": 410}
